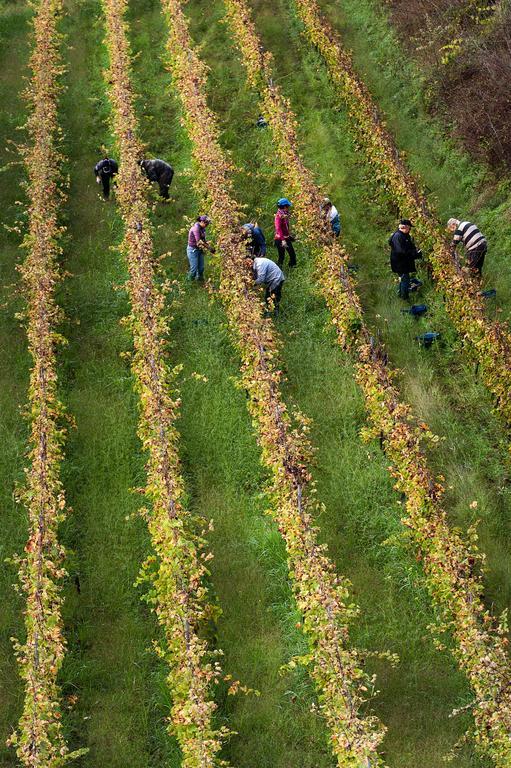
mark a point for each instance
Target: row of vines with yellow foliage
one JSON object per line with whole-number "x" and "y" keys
{"x": 39, "y": 740}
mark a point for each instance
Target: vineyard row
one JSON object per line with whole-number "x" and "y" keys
{"x": 448, "y": 562}
{"x": 177, "y": 570}
{"x": 322, "y": 597}
{"x": 39, "y": 740}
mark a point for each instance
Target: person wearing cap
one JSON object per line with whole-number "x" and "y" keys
{"x": 473, "y": 241}
{"x": 197, "y": 244}
{"x": 403, "y": 254}
{"x": 283, "y": 238}
{"x": 254, "y": 237}
{"x": 269, "y": 274}
{"x": 331, "y": 215}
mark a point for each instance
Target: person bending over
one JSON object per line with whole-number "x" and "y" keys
{"x": 331, "y": 215}
{"x": 254, "y": 238}
{"x": 473, "y": 241}
{"x": 160, "y": 171}
{"x": 269, "y": 274}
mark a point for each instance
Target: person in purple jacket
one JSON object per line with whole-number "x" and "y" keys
{"x": 197, "y": 244}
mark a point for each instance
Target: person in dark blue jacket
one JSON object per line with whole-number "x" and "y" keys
{"x": 104, "y": 171}
{"x": 256, "y": 241}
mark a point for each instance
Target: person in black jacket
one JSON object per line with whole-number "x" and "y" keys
{"x": 160, "y": 171}
{"x": 403, "y": 254}
{"x": 104, "y": 171}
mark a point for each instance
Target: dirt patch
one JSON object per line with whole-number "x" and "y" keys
{"x": 464, "y": 48}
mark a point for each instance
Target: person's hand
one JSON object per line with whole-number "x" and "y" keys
{"x": 284, "y": 243}
{"x": 98, "y": 180}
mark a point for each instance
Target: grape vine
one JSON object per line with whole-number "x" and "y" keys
{"x": 39, "y": 740}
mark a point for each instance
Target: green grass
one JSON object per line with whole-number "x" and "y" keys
{"x": 14, "y": 364}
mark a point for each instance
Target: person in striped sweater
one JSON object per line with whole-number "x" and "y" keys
{"x": 473, "y": 241}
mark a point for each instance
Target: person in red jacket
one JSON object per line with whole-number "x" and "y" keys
{"x": 283, "y": 237}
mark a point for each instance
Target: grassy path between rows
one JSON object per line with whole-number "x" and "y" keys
{"x": 110, "y": 667}
{"x": 14, "y": 365}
